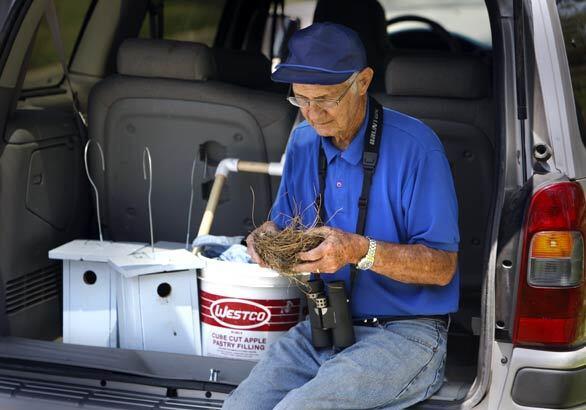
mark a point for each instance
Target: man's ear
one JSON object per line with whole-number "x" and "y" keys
{"x": 364, "y": 79}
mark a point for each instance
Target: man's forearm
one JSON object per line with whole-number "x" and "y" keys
{"x": 416, "y": 264}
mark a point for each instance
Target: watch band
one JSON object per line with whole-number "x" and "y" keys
{"x": 368, "y": 260}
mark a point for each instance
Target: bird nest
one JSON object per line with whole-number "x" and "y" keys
{"x": 280, "y": 249}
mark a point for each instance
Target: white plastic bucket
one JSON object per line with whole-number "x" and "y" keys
{"x": 244, "y": 308}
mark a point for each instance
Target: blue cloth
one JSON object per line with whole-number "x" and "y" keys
{"x": 323, "y": 53}
{"x": 225, "y": 248}
{"x": 412, "y": 201}
{"x": 235, "y": 253}
{"x": 408, "y": 368}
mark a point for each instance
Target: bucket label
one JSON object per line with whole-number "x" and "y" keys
{"x": 244, "y": 328}
{"x": 239, "y": 313}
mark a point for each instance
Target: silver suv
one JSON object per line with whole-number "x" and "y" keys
{"x": 502, "y": 83}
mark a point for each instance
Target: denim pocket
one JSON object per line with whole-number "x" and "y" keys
{"x": 425, "y": 332}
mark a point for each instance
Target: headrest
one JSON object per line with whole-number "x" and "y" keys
{"x": 245, "y": 68}
{"x": 438, "y": 76}
{"x": 366, "y": 17}
{"x": 165, "y": 59}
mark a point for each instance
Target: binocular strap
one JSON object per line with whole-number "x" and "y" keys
{"x": 369, "y": 159}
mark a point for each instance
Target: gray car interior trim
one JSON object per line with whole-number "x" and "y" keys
{"x": 14, "y": 63}
{"x": 41, "y": 173}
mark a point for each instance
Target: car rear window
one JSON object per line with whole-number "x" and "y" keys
{"x": 188, "y": 20}
{"x": 466, "y": 19}
{"x": 573, "y": 21}
{"x": 44, "y": 68}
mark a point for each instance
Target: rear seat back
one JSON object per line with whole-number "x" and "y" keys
{"x": 246, "y": 68}
{"x": 452, "y": 95}
{"x": 167, "y": 96}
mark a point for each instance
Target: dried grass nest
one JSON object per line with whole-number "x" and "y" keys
{"x": 279, "y": 249}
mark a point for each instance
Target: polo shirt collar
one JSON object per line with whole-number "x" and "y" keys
{"x": 352, "y": 154}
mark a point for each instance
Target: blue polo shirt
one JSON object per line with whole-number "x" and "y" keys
{"x": 412, "y": 201}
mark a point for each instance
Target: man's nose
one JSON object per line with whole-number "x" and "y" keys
{"x": 313, "y": 112}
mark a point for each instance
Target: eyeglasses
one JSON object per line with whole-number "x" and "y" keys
{"x": 323, "y": 103}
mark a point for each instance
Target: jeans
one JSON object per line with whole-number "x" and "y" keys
{"x": 391, "y": 366}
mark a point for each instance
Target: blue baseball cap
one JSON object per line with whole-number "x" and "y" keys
{"x": 323, "y": 53}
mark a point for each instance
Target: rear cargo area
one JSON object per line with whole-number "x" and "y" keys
{"x": 192, "y": 106}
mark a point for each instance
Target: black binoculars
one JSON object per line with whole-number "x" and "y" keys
{"x": 329, "y": 315}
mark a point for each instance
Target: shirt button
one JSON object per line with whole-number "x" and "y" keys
{"x": 339, "y": 184}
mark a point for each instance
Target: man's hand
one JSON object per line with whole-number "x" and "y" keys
{"x": 338, "y": 249}
{"x": 268, "y": 226}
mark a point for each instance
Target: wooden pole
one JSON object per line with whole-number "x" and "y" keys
{"x": 208, "y": 216}
{"x": 249, "y": 166}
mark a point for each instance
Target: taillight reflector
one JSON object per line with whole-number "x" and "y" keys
{"x": 553, "y": 244}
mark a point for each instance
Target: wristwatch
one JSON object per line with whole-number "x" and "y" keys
{"x": 368, "y": 260}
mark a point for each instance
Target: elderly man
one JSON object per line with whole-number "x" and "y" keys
{"x": 390, "y": 218}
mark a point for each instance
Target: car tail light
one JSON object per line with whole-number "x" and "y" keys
{"x": 551, "y": 310}
{"x": 556, "y": 259}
